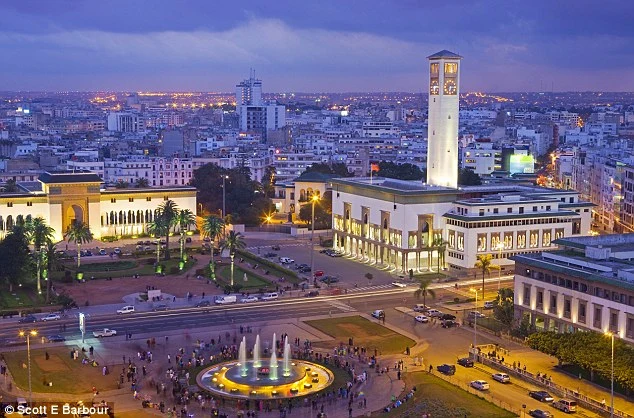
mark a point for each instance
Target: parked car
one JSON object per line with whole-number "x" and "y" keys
{"x": 139, "y": 243}
{"x": 275, "y": 247}
{"x": 379, "y": 313}
{"x": 270, "y": 255}
{"x": 312, "y": 294}
{"x": 203, "y": 303}
{"x": 475, "y": 314}
{"x": 326, "y": 251}
{"x": 103, "y": 252}
{"x": 335, "y": 254}
{"x": 565, "y": 405}
{"x": 399, "y": 284}
{"x": 448, "y": 323}
{"x": 28, "y": 319}
{"x": 447, "y": 317}
{"x": 329, "y": 279}
{"x": 117, "y": 250}
{"x": 501, "y": 377}
{"x": 319, "y": 273}
{"x": 286, "y": 260}
{"x": 539, "y": 413}
{"x": 301, "y": 266}
{"x": 206, "y": 239}
{"x": 147, "y": 248}
{"x": 148, "y": 242}
{"x": 160, "y": 307}
{"x": 488, "y": 305}
{"x": 106, "y": 332}
{"x": 270, "y": 296}
{"x": 188, "y": 240}
{"x": 305, "y": 269}
{"x": 465, "y": 362}
{"x": 434, "y": 313}
{"x": 51, "y": 317}
{"x": 419, "y": 307}
{"x": 126, "y": 309}
{"x": 479, "y": 384}
{"x": 249, "y": 299}
{"x": 448, "y": 369}
{"x": 55, "y": 338}
{"x": 421, "y": 318}
{"x": 541, "y": 395}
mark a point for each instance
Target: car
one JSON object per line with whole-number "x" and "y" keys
{"x": 434, "y": 313}
{"x": 398, "y": 284}
{"x": 275, "y": 247}
{"x": 139, "y": 247}
{"x": 541, "y": 395}
{"x": 565, "y": 405}
{"x": 305, "y": 269}
{"x": 148, "y": 242}
{"x": 55, "y": 338}
{"x": 301, "y": 266}
{"x": 448, "y": 323}
{"x": 147, "y": 248}
{"x": 379, "y": 313}
{"x": 419, "y": 307}
{"x": 188, "y": 240}
{"x": 160, "y": 307}
{"x": 447, "y": 317}
{"x": 139, "y": 243}
{"x": 7, "y": 342}
{"x": 102, "y": 252}
{"x": 479, "y": 384}
{"x": 126, "y": 309}
{"x": 203, "y": 303}
{"x": 421, "y": 318}
{"x": 475, "y": 314}
{"x": 270, "y": 255}
{"x": 335, "y": 254}
{"x": 207, "y": 239}
{"x": 312, "y": 294}
{"x": 329, "y": 279}
{"x": 319, "y": 273}
{"x": 325, "y": 251}
{"x": 286, "y": 260}
{"x": 540, "y": 413}
{"x": 27, "y": 319}
{"x": 106, "y": 332}
{"x": 117, "y": 250}
{"x": 249, "y": 299}
{"x": 488, "y": 305}
{"x": 465, "y": 362}
{"x": 51, "y": 317}
{"x": 448, "y": 369}
{"x": 501, "y": 377}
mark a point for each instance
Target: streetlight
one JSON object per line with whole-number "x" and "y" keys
{"x": 611, "y": 335}
{"x": 499, "y": 247}
{"x": 28, "y": 335}
{"x": 314, "y": 199}
{"x": 475, "y": 321}
{"x": 224, "y": 203}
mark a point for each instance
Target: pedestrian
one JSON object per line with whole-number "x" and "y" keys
{"x": 430, "y": 368}
{"x": 398, "y": 375}
{"x": 169, "y": 359}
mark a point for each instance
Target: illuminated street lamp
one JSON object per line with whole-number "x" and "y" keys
{"x": 28, "y": 335}
{"x": 475, "y": 320}
{"x": 499, "y": 247}
{"x": 611, "y": 335}
{"x": 314, "y": 200}
{"x": 224, "y": 203}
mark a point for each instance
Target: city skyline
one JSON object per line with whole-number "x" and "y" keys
{"x": 370, "y": 46}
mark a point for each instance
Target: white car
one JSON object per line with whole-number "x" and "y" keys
{"x": 434, "y": 313}
{"x": 249, "y": 299}
{"x": 488, "y": 305}
{"x": 399, "y": 284}
{"x": 476, "y": 314}
{"x": 501, "y": 377}
{"x": 479, "y": 385}
{"x": 422, "y": 318}
{"x": 126, "y": 309}
{"x": 106, "y": 332}
{"x": 51, "y": 317}
{"x": 379, "y": 313}
{"x": 117, "y": 250}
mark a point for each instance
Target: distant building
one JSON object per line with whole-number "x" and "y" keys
{"x": 254, "y": 114}
{"x": 172, "y": 143}
{"x": 125, "y": 122}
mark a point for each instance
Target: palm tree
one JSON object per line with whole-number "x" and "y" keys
{"x": 79, "y": 233}
{"x": 369, "y": 276}
{"x": 51, "y": 260}
{"x": 440, "y": 245}
{"x": 184, "y": 220}
{"x": 233, "y": 242}
{"x": 168, "y": 212}
{"x": 212, "y": 227}
{"x": 142, "y": 183}
{"x": 158, "y": 228}
{"x": 485, "y": 266}
{"x": 39, "y": 234}
{"x": 424, "y": 290}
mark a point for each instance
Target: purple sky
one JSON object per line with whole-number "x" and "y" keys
{"x": 326, "y": 45}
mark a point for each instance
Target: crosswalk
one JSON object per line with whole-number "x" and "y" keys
{"x": 369, "y": 288}
{"x": 341, "y": 306}
{"x": 267, "y": 248}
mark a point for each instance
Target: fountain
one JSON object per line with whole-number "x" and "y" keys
{"x": 256, "y": 352}
{"x": 242, "y": 357}
{"x": 254, "y": 379}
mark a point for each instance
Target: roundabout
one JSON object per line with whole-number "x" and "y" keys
{"x": 265, "y": 378}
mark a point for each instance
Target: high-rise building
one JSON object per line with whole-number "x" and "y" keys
{"x": 442, "y": 138}
{"x": 256, "y": 115}
{"x": 249, "y": 92}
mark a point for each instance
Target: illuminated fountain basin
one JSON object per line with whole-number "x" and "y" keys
{"x": 227, "y": 379}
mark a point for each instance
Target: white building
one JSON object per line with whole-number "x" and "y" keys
{"x": 589, "y": 285}
{"x": 125, "y": 122}
{"x": 482, "y": 158}
{"x": 254, "y": 114}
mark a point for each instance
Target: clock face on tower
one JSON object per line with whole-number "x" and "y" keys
{"x": 450, "y": 87}
{"x": 434, "y": 86}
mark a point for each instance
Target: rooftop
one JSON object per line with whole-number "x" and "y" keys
{"x": 444, "y": 54}
{"x": 395, "y": 186}
{"x": 69, "y": 177}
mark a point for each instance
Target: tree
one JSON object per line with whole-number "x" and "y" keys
{"x": 440, "y": 246}
{"x": 268, "y": 181}
{"x": 52, "y": 260}
{"x": 503, "y": 309}
{"x": 167, "y": 213}
{"x": 323, "y": 212}
{"x": 79, "y": 233}
{"x": 142, "y": 183}
{"x": 424, "y": 290}
{"x": 232, "y": 242}
{"x": 158, "y": 227}
{"x": 10, "y": 186}
{"x": 39, "y": 234}
{"x": 122, "y": 184}
{"x": 405, "y": 171}
{"x": 338, "y": 169}
{"x": 184, "y": 219}
{"x": 485, "y": 265}
{"x": 212, "y": 227}
{"x": 14, "y": 258}
{"x": 369, "y": 276}
{"x": 467, "y": 177}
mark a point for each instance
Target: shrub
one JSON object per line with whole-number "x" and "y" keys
{"x": 174, "y": 270}
{"x": 269, "y": 263}
{"x": 456, "y": 299}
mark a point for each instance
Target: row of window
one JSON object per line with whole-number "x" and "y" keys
{"x": 514, "y": 222}
{"x": 10, "y": 204}
{"x": 131, "y": 199}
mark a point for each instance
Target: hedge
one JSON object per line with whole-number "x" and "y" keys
{"x": 269, "y": 263}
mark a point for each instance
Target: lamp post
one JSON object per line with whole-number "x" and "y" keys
{"x": 611, "y": 335}
{"x": 313, "y": 199}
{"x": 224, "y": 201}
{"x": 475, "y": 321}
{"x": 500, "y": 247}
{"x": 28, "y": 335}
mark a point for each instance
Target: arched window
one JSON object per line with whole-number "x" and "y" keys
{"x": 365, "y": 219}
{"x": 139, "y": 217}
{"x": 1, "y": 224}
{"x": 10, "y": 223}
{"x": 130, "y": 217}
{"x": 19, "y": 220}
{"x": 112, "y": 219}
{"x": 384, "y": 223}
{"x": 121, "y": 217}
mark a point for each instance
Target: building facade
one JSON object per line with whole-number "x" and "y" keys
{"x": 588, "y": 285}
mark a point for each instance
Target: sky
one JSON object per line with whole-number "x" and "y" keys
{"x": 314, "y": 46}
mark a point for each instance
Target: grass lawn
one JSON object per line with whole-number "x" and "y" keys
{"x": 253, "y": 282}
{"x": 121, "y": 268}
{"x": 442, "y": 400}
{"x": 109, "y": 266}
{"x": 16, "y": 299}
{"x": 275, "y": 272}
{"x": 365, "y": 333}
{"x": 67, "y": 375}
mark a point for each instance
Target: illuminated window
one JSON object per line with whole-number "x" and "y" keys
{"x": 451, "y": 67}
{"x": 434, "y": 67}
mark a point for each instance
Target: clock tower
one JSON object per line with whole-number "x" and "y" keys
{"x": 442, "y": 130}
